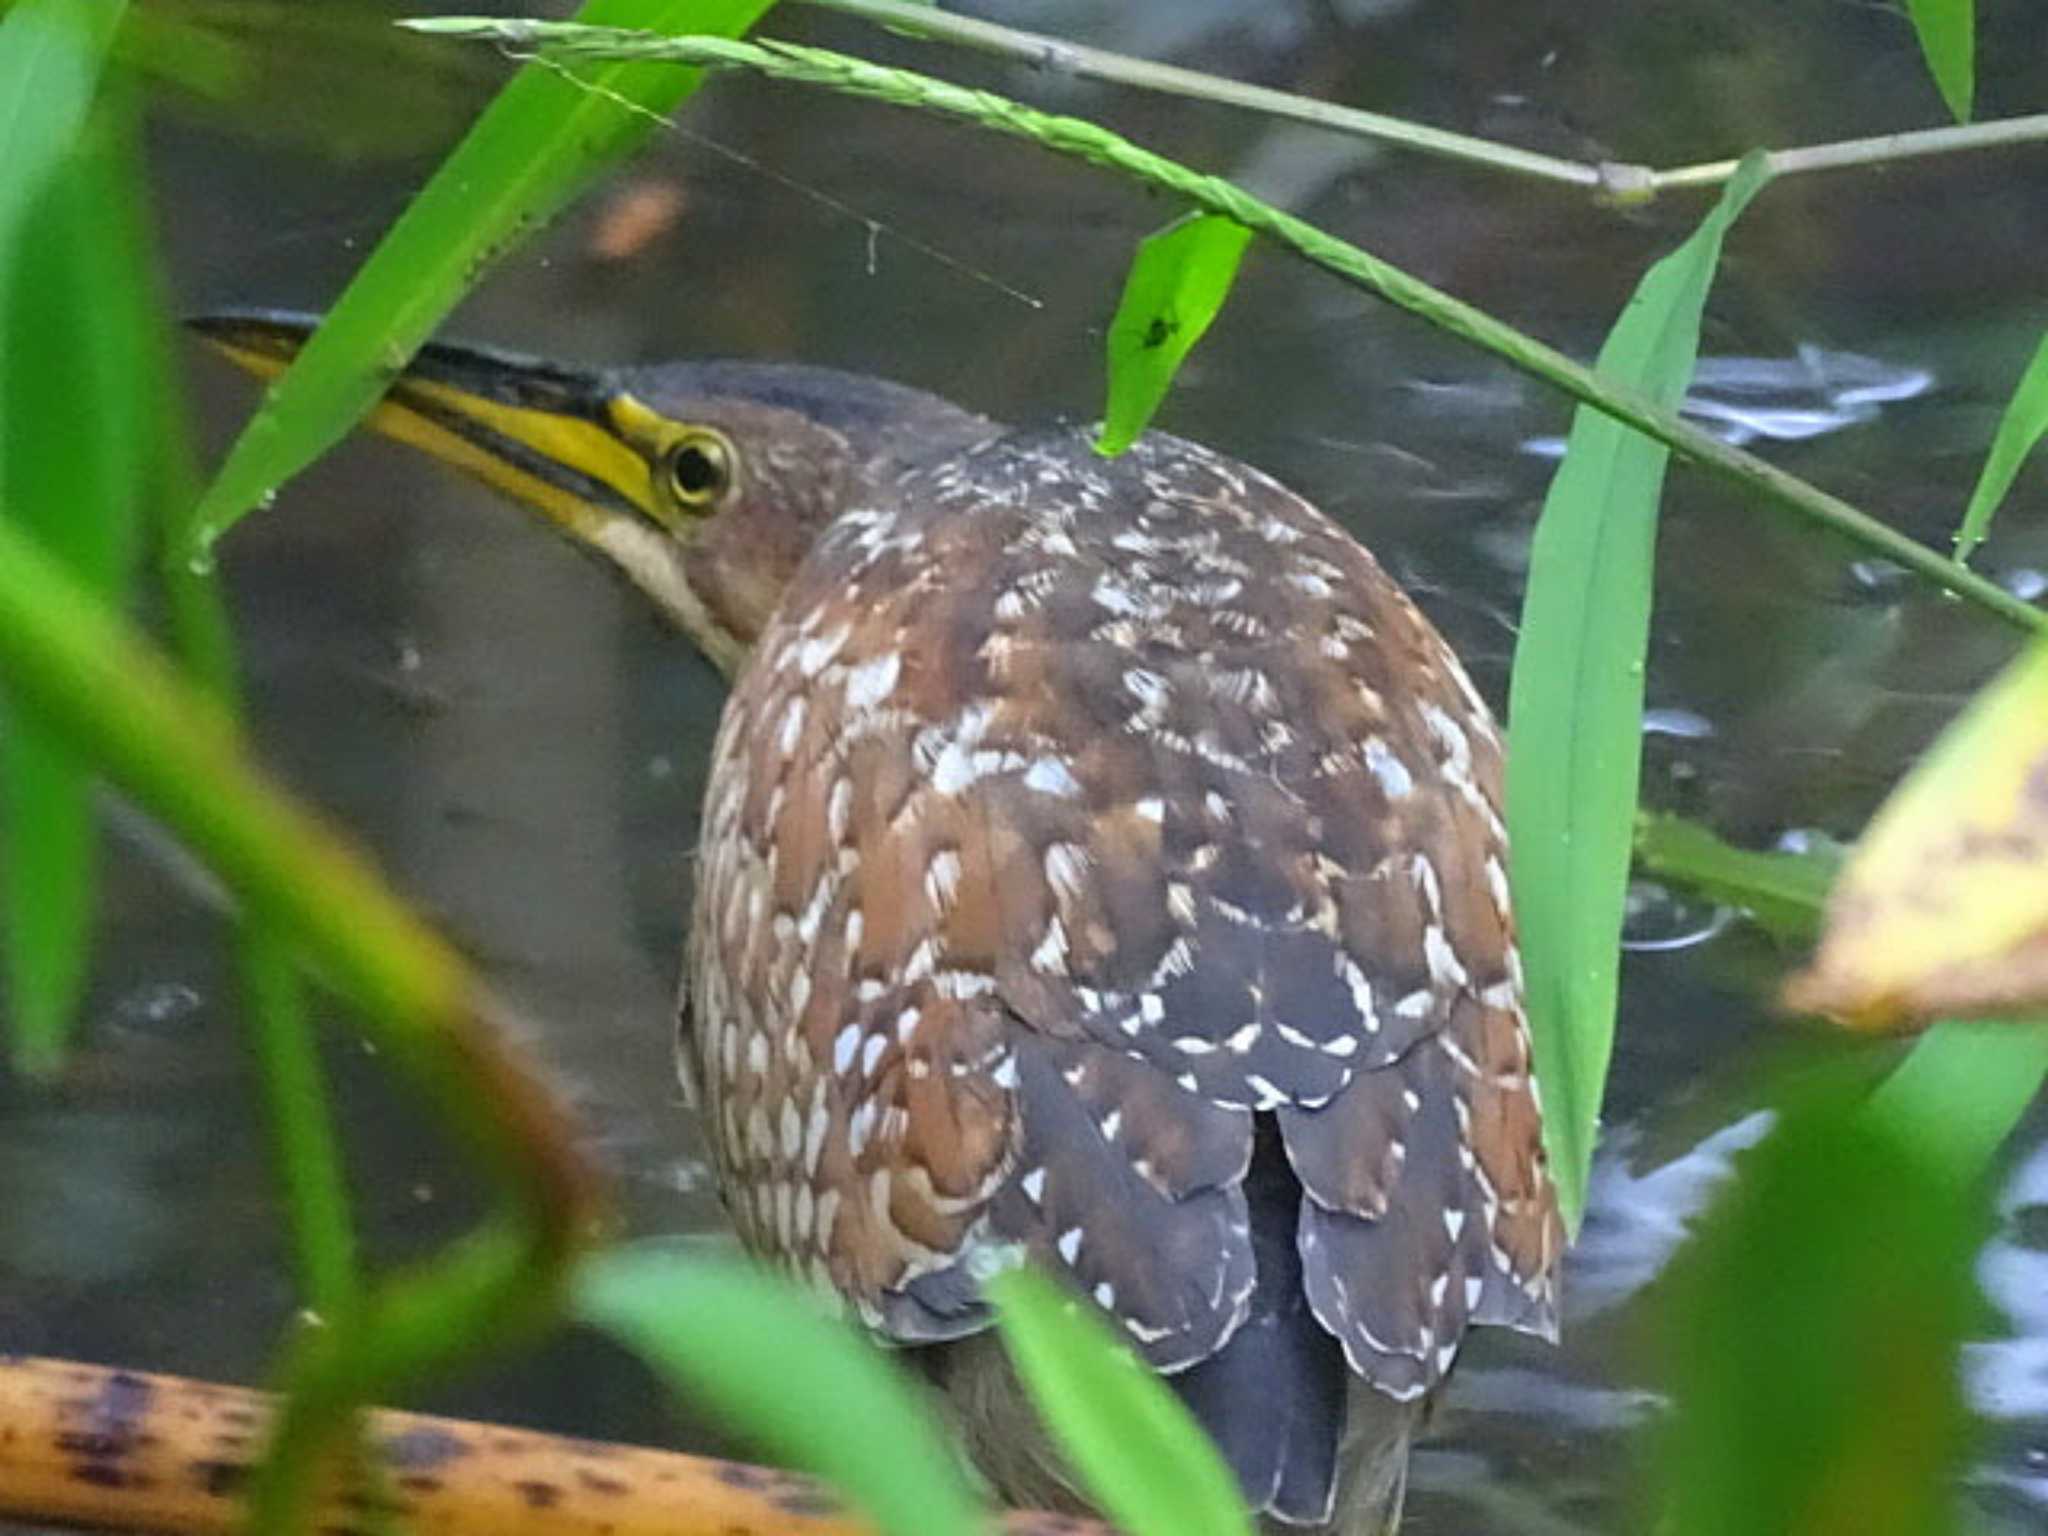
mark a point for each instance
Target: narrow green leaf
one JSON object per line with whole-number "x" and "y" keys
{"x": 1782, "y": 892}
{"x": 1814, "y": 1332}
{"x": 73, "y": 314}
{"x": 1962, "y": 1089}
{"x": 1948, "y": 40}
{"x": 2019, "y": 429}
{"x": 1145, "y": 1460}
{"x": 547, "y": 133}
{"x": 1178, "y": 281}
{"x": 51, "y": 52}
{"x": 1576, "y": 701}
{"x": 778, "y": 1371}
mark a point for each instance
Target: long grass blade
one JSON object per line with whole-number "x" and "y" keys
{"x": 1145, "y": 1460}
{"x": 1814, "y": 1331}
{"x": 2019, "y": 429}
{"x": 1576, "y": 701}
{"x": 72, "y": 318}
{"x": 786, "y": 1377}
{"x": 547, "y": 134}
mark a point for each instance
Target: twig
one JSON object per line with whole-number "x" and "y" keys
{"x": 1098, "y": 146}
{"x": 1056, "y": 56}
{"x": 1620, "y": 181}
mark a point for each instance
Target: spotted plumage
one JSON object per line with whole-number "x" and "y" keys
{"x": 1070, "y": 815}
{"x": 1101, "y": 864}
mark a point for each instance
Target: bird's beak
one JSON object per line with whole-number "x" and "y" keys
{"x": 570, "y": 444}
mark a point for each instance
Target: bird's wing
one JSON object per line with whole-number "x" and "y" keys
{"x": 1080, "y": 811}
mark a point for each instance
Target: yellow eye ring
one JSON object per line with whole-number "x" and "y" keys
{"x": 698, "y": 468}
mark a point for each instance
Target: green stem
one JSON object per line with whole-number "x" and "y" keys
{"x": 312, "y": 1183}
{"x": 1097, "y": 146}
{"x": 181, "y": 755}
{"x": 1056, "y": 56}
{"x": 1883, "y": 149}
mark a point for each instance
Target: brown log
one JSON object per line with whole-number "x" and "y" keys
{"x": 105, "y": 1449}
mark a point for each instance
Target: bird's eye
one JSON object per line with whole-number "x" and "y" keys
{"x": 700, "y": 469}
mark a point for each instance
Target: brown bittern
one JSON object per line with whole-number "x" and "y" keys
{"x": 1102, "y": 862}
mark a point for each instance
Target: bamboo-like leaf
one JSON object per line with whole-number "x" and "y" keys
{"x": 788, "y": 1378}
{"x": 2019, "y": 429}
{"x": 1178, "y": 281}
{"x": 547, "y": 133}
{"x": 1781, "y": 892}
{"x": 1814, "y": 1331}
{"x": 1943, "y": 908}
{"x": 1961, "y": 1090}
{"x": 1948, "y": 41}
{"x": 1141, "y": 1453}
{"x": 1576, "y": 701}
{"x": 72, "y": 327}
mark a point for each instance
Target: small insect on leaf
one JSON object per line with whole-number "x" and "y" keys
{"x": 1943, "y": 908}
{"x": 2019, "y": 429}
{"x": 1178, "y": 281}
{"x": 1948, "y": 41}
{"x": 1145, "y": 1460}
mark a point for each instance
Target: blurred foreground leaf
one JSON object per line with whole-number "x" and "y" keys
{"x": 1783, "y": 892}
{"x": 75, "y": 411}
{"x": 2019, "y": 429}
{"x": 547, "y": 133}
{"x": 1962, "y": 1089}
{"x": 790, "y": 1379}
{"x": 1943, "y": 908}
{"x": 1813, "y": 1330}
{"x": 1178, "y": 281}
{"x": 1948, "y": 41}
{"x": 282, "y": 71}
{"x": 1145, "y": 1460}
{"x": 1576, "y": 703}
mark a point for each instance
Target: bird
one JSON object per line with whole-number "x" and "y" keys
{"x": 1101, "y": 866}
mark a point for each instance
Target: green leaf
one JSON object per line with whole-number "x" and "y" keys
{"x": 1962, "y": 1089}
{"x": 1145, "y": 1461}
{"x": 1576, "y": 702}
{"x": 780, "y": 1372}
{"x": 1782, "y": 892}
{"x": 544, "y": 137}
{"x": 1948, "y": 40}
{"x": 1814, "y": 1333}
{"x": 2019, "y": 429}
{"x": 51, "y": 52}
{"x": 73, "y": 417}
{"x": 1178, "y": 281}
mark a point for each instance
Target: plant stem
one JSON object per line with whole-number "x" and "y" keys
{"x": 181, "y": 756}
{"x": 1882, "y": 149}
{"x": 1619, "y": 181}
{"x": 1059, "y": 57}
{"x": 1098, "y": 146}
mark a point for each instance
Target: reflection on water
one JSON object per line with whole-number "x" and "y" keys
{"x": 1784, "y": 399}
{"x": 524, "y": 749}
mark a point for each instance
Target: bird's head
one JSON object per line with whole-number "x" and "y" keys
{"x": 704, "y": 483}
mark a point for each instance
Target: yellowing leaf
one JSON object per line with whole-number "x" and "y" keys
{"x": 1943, "y": 908}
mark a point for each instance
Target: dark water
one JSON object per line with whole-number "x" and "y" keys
{"x": 522, "y": 745}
